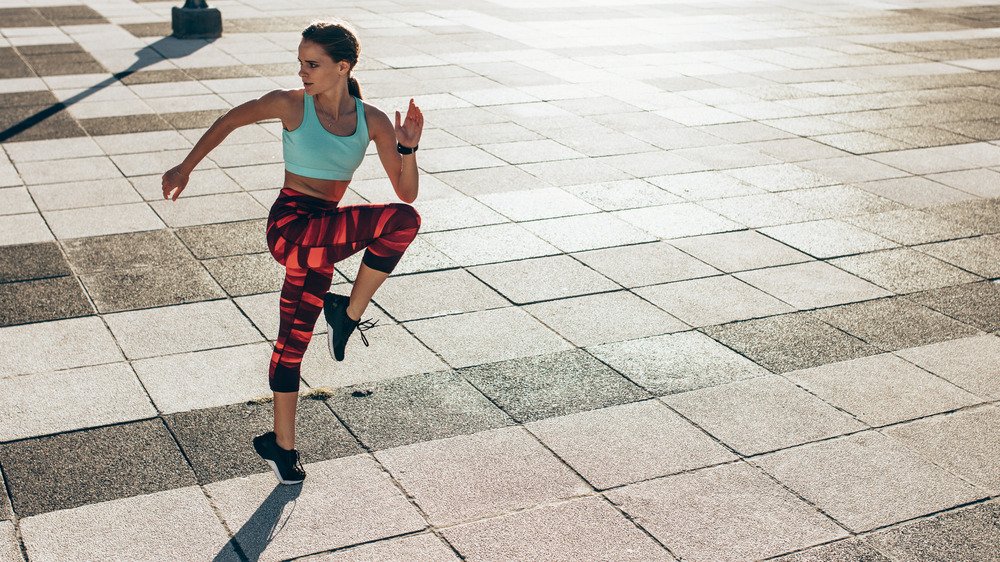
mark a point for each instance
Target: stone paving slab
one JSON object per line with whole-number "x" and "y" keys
{"x": 563, "y": 277}
{"x": 967, "y": 534}
{"x": 970, "y": 363}
{"x": 457, "y": 292}
{"x": 10, "y": 550}
{"x": 424, "y": 546}
{"x": 904, "y": 270}
{"x": 811, "y": 285}
{"x": 62, "y": 344}
{"x": 713, "y": 300}
{"x": 42, "y": 299}
{"x": 662, "y": 263}
{"x": 976, "y": 304}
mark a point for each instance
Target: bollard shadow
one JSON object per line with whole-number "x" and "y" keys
{"x": 262, "y": 527}
{"x": 162, "y": 49}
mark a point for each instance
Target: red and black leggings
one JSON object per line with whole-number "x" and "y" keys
{"x": 308, "y": 235}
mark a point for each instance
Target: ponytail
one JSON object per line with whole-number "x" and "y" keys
{"x": 353, "y": 87}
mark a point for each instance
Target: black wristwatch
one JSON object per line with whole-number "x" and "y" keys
{"x": 405, "y": 149}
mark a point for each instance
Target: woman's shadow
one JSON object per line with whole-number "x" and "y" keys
{"x": 162, "y": 49}
{"x": 262, "y": 527}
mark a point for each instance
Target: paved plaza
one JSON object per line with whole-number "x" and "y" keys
{"x": 701, "y": 281}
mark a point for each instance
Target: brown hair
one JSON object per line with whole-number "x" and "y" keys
{"x": 339, "y": 41}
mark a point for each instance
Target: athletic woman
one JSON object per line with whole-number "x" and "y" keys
{"x": 326, "y": 129}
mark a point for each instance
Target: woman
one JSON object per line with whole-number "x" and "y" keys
{"x": 326, "y": 131}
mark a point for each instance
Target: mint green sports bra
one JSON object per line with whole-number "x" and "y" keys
{"x": 313, "y": 152}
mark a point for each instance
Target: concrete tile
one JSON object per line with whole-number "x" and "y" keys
{"x": 811, "y": 285}
{"x": 225, "y": 239}
{"x": 623, "y": 444}
{"x": 726, "y": 156}
{"x": 33, "y": 151}
{"x": 15, "y": 200}
{"x": 828, "y": 238}
{"x": 662, "y": 263}
{"x": 965, "y": 534}
{"x": 911, "y": 226}
{"x": 676, "y": 363}
{"x": 415, "y": 409}
{"x": 94, "y": 193}
{"x": 455, "y": 291}
{"x": 6, "y": 513}
{"x": 527, "y": 151}
{"x": 178, "y": 329}
{"x": 441, "y": 475}
{"x": 915, "y": 191}
{"x": 863, "y": 142}
{"x": 91, "y": 466}
{"x": 980, "y": 216}
{"x": 532, "y": 204}
{"x": 738, "y": 251}
{"x": 976, "y": 304}
{"x": 455, "y": 212}
{"x": 130, "y": 143}
{"x": 781, "y": 177}
{"x": 424, "y": 546}
{"x": 893, "y": 324}
{"x": 622, "y": 194}
{"x": 573, "y": 172}
{"x": 924, "y": 160}
{"x": 97, "y": 221}
{"x": 42, "y": 299}
{"x": 190, "y": 211}
{"x": 125, "y": 251}
{"x": 677, "y": 221}
{"x": 866, "y": 480}
{"x": 246, "y": 274}
{"x": 135, "y": 288}
{"x": 789, "y": 342}
{"x": 202, "y": 182}
{"x": 847, "y": 550}
{"x": 72, "y": 169}
{"x": 420, "y": 256}
{"x": 457, "y": 158}
{"x": 351, "y": 490}
{"x": 983, "y": 182}
{"x": 494, "y": 180}
{"x": 489, "y": 244}
{"x": 903, "y": 270}
{"x": 61, "y": 344}
{"x": 566, "y": 277}
{"x": 699, "y": 186}
{"x": 882, "y": 389}
{"x": 577, "y": 529}
{"x": 766, "y": 209}
{"x": 32, "y": 261}
{"x": 841, "y": 201}
{"x": 206, "y": 379}
{"x": 651, "y": 163}
{"x": 180, "y": 522}
{"x": 971, "y": 363}
{"x": 708, "y": 514}
{"x": 10, "y": 550}
{"x": 52, "y": 402}
{"x": 712, "y": 300}
{"x": 588, "y": 232}
{"x": 226, "y": 451}
{"x": 27, "y": 228}
{"x": 847, "y": 169}
{"x": 603, "y": 318}
{"x": 979, "y": 255}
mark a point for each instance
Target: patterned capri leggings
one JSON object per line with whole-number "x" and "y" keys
{"x": 308, "y": 235}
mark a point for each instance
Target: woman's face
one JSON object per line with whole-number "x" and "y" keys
{"x": 317, "y": 70}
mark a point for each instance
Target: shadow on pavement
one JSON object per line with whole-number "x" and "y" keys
{"x": 262, "y": 527}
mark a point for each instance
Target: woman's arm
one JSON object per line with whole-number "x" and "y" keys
{"x": 268, "y": 106}
{"x": 401, "y": 168}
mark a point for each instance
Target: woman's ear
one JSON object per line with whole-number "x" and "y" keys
{"x": 345, "y": 67}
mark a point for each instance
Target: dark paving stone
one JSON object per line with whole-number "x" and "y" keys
{"x": 982, "y": 216}
{"x": 544, "y": 386}
{"x": 18, "y": 99}
{"x": 12, "y": 65}
{"x": 37, "y": 122}
{"x": 158, "y": 29}
{"x": 976, "y": 304}
{"x": 968, "y": 534}
{"x": 22, "y": 17}
{"x": 894, "y": 323}
{"x": 850, "y": 550}
{"x": 248, "y": 274}
{"x": 217, "y": 441}
{"x": 96, "y": 465}
{"x": 32, "y": 261}
{"x": 218, "y": 72}
{"x": 193, "y": 119}
{"x": 151, "y": 248}
{"x": 175, "y": 282}
{"x": 789, "y": 342}
{"x": 98, "y": 126}
{"x": 414, "y": 409}
{"x": 155, "y": 77}
{"x": 65, "y": 63}
{"x": 71, "y": 15}
{"x": 41, "y": 300}
{"x": 225, "y": 239}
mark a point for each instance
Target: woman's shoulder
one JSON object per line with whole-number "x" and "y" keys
{"x": 374, "y": 115}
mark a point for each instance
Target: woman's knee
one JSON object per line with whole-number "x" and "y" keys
{"x": 408, "y": 216}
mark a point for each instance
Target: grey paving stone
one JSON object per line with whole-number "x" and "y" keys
{"x": 980, "y": 255}
{"x": 915, "y": 191}
{"x": 351, "y": 491}
{"x": 699, "y": 186}
{"x": 713, "y": 300}
{"x": 42, "y": 299}
{"x": 791, "y": 341}
{"x": 976, "y": 304}
{"x": 661, "y": 263}
{"x": 176, "y": 523}
{"x": 730, "y": 512}
{"x": 967, "y": 534}
{"x": 6, "y": 512}
{"x": 588, "y": 232}
{"x": 762, "y": 414}
{"x": 449, "y": 213}
{"x": 811, "y": 285}
{"x": 970, "y": 363}
{"x": 91, "y": 466}
{"x": 894, "y": 323}
{"x": 828, "y": 238}
{"x": 623, "y": 444}
{"x": 130, "y": 289}
{"x": 424, "y": 546}
{"x": 489, "y": 244}
{"x": 247, "y": 274}
{"x": 414, "y": 409}
{"x": 622, "y": 194}
{"x": 848, "y": 550}
{"x": 151, "y": 249}
{"x": 10, "y": 550}
{"x": 866, "y": 480}
{"x": 543, "y": 386}
{"x": 911, "y": 226}
{"x": 903, "y": 270}
{"x": 840, "y": 201}
{"x": 760, "y": 210}
{"x": 31, "y": 261}
{"x": 882, "y": 389}
{"x": 442, "y": 476}
{"x": 563, "y": 277}
{"x": 676, "y": 363}
{"x": 533, "y": 204}
{"x": 781, "y": 177}
{"x": 225, "y": 239}
{"x": 455, "y": 291}
{"x": 574, "y": 530}
{"x": 738, "y": 251}
{"x": 492, "y": 180}
{"x": 984, "y": 182}
{"x": 61, "y": 344}
{"x": 981, "y": 216}
{"x": 217, "y": 441}
{"x": 677, "y": 221}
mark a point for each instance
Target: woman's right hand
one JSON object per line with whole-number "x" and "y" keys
{"x": 175, "y": 180}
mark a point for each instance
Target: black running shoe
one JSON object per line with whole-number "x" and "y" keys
{"x": 285, "y": 463}
{"x": 341, "y": 325}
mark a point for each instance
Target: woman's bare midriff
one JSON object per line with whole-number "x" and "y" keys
{"x": 328, "y": 190}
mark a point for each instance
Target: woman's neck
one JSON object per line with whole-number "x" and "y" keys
{"x": 335, "y": 102}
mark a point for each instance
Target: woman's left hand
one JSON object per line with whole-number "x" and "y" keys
{"x": 408, "y": 132}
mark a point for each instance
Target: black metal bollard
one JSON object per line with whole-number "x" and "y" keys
{"x": 196, "y": 21}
